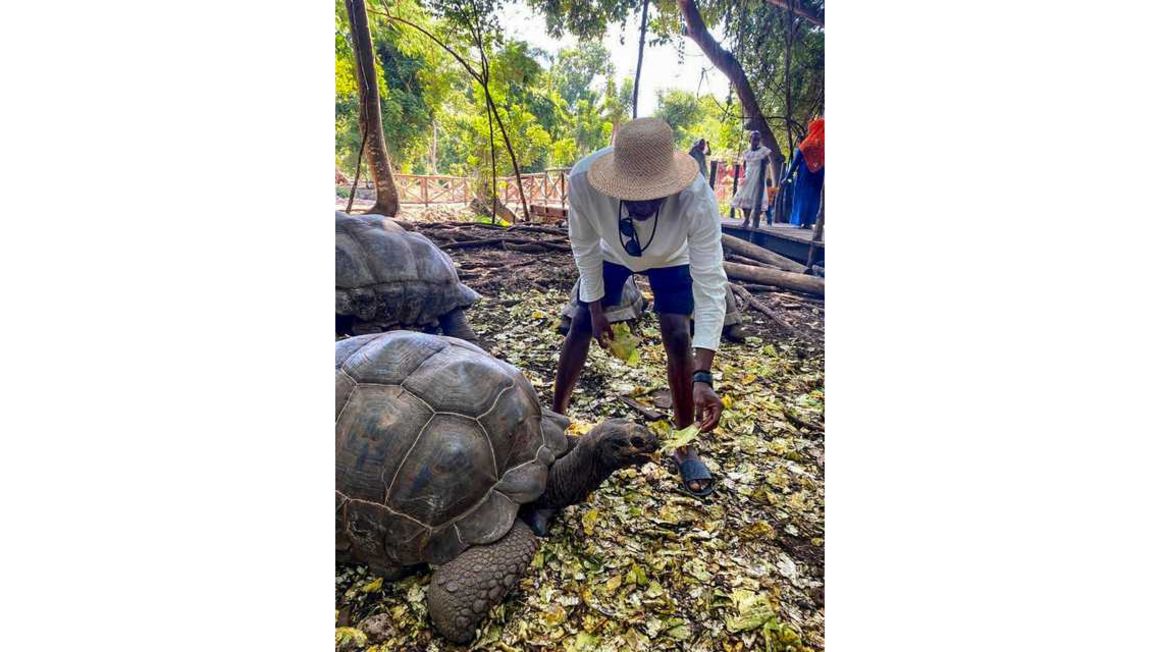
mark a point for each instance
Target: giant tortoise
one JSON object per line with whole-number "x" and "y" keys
{"x": 388, "y": 278}
{"x": 437, "y": 447}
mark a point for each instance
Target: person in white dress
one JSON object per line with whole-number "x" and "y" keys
{"x": 751, "y": 197}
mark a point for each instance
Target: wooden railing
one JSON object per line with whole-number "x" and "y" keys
{"x": 429, "y": 189}
{"x": 548, "y": 188}
{"x": 543, "y": 188}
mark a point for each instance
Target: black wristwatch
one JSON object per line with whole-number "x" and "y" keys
{"x": 703, "y": 376}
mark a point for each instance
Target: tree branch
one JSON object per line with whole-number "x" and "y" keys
{"x": 805, "y": 13}
{"x": 727, "y": 63}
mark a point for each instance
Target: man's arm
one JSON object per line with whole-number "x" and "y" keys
{"x": 703, "y": 359}
{"x": 709, "y": 281}
{"x": 585, "y": 241}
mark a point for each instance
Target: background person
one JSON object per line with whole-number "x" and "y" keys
{"x": 750, "y": 197}
{"x": 807, "y": 187}
{"x": 699, "y": 151}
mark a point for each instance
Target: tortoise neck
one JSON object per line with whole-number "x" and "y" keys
{"x": 575, "y": 475}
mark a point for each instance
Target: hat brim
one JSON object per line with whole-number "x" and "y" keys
{"x": 605, "y": 177}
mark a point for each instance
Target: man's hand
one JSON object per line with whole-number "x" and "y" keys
{"x": 601, "y": 329}
{"x": 707, "y": 405}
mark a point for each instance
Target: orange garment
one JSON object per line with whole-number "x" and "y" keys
{"x": 813, "y": 146}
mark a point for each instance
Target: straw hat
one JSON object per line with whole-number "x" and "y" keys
{"x": 643, "y": 164}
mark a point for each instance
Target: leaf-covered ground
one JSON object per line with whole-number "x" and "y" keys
{"x": 642, "y": 566}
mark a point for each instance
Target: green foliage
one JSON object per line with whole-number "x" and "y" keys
{"x": 556, "y": 109}
{"x": 586, "y": 20}
{"x": 753, "y": 30}
{"x": 412, "y": 82}
{"x": 681, "y": 109}
{"x": 576, "y": 69}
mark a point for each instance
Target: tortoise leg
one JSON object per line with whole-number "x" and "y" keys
{"x": 464, "y": 589}
{"x": 455, "y": 324}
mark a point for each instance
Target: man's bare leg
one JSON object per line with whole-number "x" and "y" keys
{"x": 573, "y": 353}
{"x": 678, "y": 343}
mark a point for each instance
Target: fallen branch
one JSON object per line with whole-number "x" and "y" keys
{"x": 535, "y": 247}
{"x": 554, "y": 230}
{"x": 743, "y": 298}
{"x": 751, "y": 301}
{"x": 463, "y": 244}
{"x": 646, "y": 412}
{"x": 779, "y": 278}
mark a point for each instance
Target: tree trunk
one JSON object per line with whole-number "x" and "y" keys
{"x": 756, "y": 252}
{"x": 788, "y": 89}
{"x": 370, "y": 113}
{"x": 727, "y": 63}
{"x": 511, "y": 154}
{"x": 788, "y": 280}
{"x": 639, "y": 56}
{"x": 494, "y": 177}
{"x": 357, "y": 170}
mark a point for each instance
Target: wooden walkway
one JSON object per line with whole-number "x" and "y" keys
{"x": 780, "y": 230}
{"x": 784, "y": 239}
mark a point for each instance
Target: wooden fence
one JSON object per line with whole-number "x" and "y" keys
{"x": 541, "y": 188}
{"x": 429, "y": 189}
{"x": 548, "y": 188}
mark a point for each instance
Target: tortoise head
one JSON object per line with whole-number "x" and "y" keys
{"x": 620, "y": 443}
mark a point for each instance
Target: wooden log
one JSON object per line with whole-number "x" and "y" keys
{"x": 765, "y": 276}
{"x": 554, "y": 230}
{"x": 546, "y": 244}
{"x": 757, "y": 252}
{"x": 536, "y": 248}
{"x": 737, "y": 258}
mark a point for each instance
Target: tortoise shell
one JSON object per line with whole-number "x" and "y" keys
{"x": 393, "y": 277}
{"x": 437, "y": 444}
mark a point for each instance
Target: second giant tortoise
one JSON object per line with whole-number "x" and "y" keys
{"x": 388, "y": 278}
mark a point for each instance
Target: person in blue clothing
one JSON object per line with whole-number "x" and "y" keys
{"x": 809, "y": 162}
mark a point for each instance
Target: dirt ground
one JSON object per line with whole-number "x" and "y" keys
{"x": 642, "y": 566}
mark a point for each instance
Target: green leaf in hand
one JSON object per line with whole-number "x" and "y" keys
{"x": 623, "y": 345}
{"x": 679, "y": 438}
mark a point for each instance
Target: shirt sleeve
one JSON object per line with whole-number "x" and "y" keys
{"x": 705, "y": 266}
{"x": 585, "y": 240}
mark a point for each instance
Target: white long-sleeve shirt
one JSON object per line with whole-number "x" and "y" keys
{"x": 688, "y": 232}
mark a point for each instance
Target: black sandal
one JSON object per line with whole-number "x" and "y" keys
{"x": 691, "y": 470}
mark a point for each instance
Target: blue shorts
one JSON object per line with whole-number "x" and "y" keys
{"x": 672, "y": 287}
